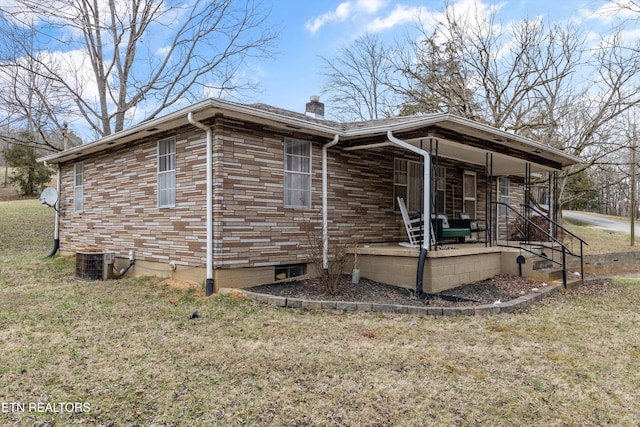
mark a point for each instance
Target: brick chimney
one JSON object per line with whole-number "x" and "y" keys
{"x": 315, "y": 108}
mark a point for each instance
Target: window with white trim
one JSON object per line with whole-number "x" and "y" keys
{"x": 297, "y": 173}
{"x": 439, "y": 190}
{"x": 470, "y": 193}
{"x": 78, "y": 187}
{"x": 167, "y": 172}
{"x": 406, "y": 184}
{"x": 504, "y": 194}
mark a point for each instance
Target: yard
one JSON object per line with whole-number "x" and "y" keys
{"x": 124, "y": 352}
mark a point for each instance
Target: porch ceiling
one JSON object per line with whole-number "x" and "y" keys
{"x": 502, "y": 163}
{"x": 463, "y": 140}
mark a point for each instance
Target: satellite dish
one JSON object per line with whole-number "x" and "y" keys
{"x": 49, "y": 197}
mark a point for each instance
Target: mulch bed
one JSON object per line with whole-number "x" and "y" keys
{"x": 499, "y": 288}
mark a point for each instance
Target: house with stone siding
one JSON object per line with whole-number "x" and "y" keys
{"x": 236, "y": 195}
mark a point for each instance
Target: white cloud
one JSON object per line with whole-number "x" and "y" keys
{"x": 342, "y": 12}
{"x": 370, "y": 6}
{"x": 613, "y": 12}
{"x": 163, "y": 51}
{"x": 361, "y": 12}
{"x": 399, "y": 16}
{"x": 345, "y": 11}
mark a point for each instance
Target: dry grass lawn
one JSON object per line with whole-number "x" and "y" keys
{"x": 603, "y": 241}
{"x": 127, "y": 351}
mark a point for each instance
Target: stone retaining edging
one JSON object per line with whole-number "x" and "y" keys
{"x": 350, "y": 306}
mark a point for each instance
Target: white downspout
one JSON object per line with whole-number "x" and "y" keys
{"x": 56, "y": 221}
{"x": 427, "y": 180}
{"x": 209, "y": 279}
{"x": 56, "y": 230}
{"x": 325, "y": 215}
{"x": 426, "y": 235}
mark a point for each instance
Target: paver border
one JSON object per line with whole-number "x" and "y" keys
{"x": 510, "y": 306}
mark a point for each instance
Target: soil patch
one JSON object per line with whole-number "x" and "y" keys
{"x": 499, "y": 288}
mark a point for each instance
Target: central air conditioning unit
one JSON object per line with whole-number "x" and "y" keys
{"x": 93, "y": 265}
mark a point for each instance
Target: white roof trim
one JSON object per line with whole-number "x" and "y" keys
{"x": 209, "y": 107}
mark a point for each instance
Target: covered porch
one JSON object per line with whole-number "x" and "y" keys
{"x": 452, "y": 166}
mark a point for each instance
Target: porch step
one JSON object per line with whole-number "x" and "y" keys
{"x": 547, "y": 274}
{"x": 541, "y": 264}
{"x": 571, "y": 282}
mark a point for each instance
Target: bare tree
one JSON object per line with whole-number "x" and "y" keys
{"x": 357, "y": 80}
{"x": 32, "y": 105}
{"x": 473, "y": 66}
{"x": 536, "y": 80}
{"x": 435, "y": 76}
{"x": 119, "y": 61}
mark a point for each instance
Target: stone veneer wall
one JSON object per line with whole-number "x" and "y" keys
{"x": 252, "y": 228}
{"x": 120, "y": 205}
{"x": 516, "y": 199}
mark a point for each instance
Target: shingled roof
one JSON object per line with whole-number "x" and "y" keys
{"x": 271, "y": 116}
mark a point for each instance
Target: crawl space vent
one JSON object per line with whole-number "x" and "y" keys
{"x": 94, "y": 265}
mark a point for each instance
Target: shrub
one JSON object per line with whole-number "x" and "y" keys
{"x": 331, "y": 277}
{"x": 30, "y": 177}
{"x": 526, "y": 232}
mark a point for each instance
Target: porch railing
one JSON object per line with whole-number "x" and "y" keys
{"x": 534, "y": 232}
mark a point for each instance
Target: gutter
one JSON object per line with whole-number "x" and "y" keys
{"x": 209, "y": 278}
{"x": 491, "y": 134}
{"x": 176, "y": 119}
{"x": 426, "y": 212}
{"x": 325, "y": 215}
{"x": 316, "y": 127}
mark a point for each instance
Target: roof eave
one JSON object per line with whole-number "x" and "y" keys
{"x": 441, "y": 119}
{"x": 210, "y": 107}
{"x": 201, "y": 110}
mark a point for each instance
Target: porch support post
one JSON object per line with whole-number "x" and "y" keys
{"x": 325, "y": 214}
{"x": 426, "y": 200}
{"x": 555, "y": 201}
{"x": 550, "y": 194}
{"x": 492, "y": 231}
{"x": 527, "y": 184}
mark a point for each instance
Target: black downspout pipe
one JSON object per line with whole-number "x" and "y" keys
{"x": 56, "y": 247}
{"x": 420, "y": 272}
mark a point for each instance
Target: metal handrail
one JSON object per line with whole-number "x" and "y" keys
{"x": 551, "y": 221}
{"x": 552, "y": 239}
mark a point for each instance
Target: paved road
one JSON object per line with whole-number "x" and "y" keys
{"x": 604, "y": 223}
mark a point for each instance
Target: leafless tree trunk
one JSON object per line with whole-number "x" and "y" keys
{"x": 121, "y": 61}
{"x": 473, "y": 66}
{"x": 357, "y": 80}
{"x": 535, "y": 80}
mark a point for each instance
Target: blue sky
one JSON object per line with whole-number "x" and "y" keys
{"x": 310, "y": 29}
